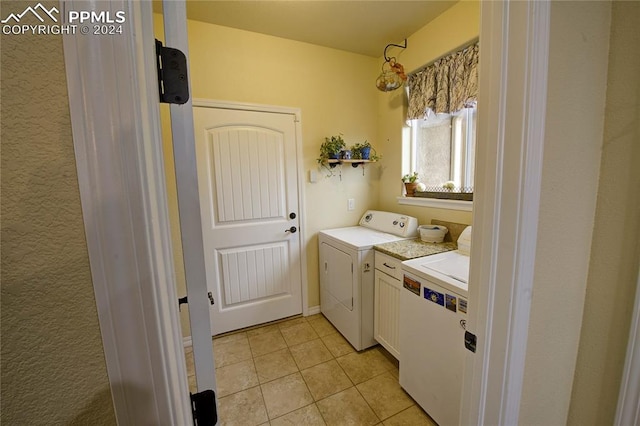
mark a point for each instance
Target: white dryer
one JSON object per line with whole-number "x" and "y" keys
{"x": 347, "y": 269}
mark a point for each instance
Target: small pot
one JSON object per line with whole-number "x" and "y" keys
{"x": 345, "y": 154}
{"x": 410, "y": 188}
{"x": 365, "y": 153}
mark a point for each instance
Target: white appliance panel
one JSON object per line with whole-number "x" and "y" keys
{"x": 359, "y": 237}
{"x": 432, "y": 354}
{"x": 433, "y": 310}
{"x": 340, "y": 278}
{"x": 393, "y": 223}
{"x": 339, "y": 269}
{"x": 449, "y": 270}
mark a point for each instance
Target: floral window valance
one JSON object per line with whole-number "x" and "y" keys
{"x": 446, "y": 86}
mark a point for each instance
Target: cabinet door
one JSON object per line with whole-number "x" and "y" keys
{"x": 386, "y": 325}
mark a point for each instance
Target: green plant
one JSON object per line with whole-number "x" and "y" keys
{"x": 331, "y": 148}
{"x": 410, "y": 178}
{"x": 357, "y": 151}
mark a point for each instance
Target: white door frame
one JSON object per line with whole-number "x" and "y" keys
{"x": 300, "y": 177}
{"x": 514, "y": 41}
{"x": 119, "y": 159}
{"x": 115, "y": 119}
{"x": 628, "y": 410}
{"x": 184, "y": 152}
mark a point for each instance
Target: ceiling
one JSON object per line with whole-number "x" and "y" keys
{"x": 363, "y": 27}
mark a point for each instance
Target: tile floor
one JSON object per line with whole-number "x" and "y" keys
{"x": 301, "y": 371}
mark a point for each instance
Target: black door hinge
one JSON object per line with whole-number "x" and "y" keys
{"x": 203, "y": 406}
{"x": 182, "y": 300}
{"x": 185, "y": 299}
{"x": 173, "y": 84}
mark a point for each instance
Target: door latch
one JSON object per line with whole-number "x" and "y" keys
{"x": 470, "y": 341}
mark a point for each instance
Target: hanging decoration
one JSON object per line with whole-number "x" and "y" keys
{"x": 393, "y": 75}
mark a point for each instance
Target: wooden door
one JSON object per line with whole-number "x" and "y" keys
{"x": 248, "y": 183}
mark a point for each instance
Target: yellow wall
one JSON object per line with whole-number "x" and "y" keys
{"x": 53, "y": 366}
{"x": 615, "y": 250}
{"x": 335, "y": 92}
{"x": 455, "y": 27}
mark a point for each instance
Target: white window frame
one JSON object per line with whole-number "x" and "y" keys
{"x": 449, "y": 204}
{"x": 458, "y": 149}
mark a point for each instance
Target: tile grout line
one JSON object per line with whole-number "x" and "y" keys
{"x": 333, "y": 357}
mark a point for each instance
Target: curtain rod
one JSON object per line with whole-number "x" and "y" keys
{"x": 461, "y": 47}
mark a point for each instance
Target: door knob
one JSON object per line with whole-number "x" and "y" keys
{"x": 292, "y": 215}
{"x": 293, "y": 230}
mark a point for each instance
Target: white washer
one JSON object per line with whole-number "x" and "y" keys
{"x": 347, "y": 269}
{"x": 433, "y": 313}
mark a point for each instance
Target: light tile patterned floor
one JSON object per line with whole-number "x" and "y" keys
{"x": 301, "y": 371}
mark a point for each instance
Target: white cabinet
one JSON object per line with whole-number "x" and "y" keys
{"x": 388, "y": 283}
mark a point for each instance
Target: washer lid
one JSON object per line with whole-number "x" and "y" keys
{"x": 449, "y": 269}
{"x": 359, "y": 237}
{"x": 456, "y": 267}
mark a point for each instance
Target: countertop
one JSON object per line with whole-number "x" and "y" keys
{"x": 410, "y": 249}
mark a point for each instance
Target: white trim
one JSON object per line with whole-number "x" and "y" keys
{"x": 209, "y": 103}
{"x": 116, "y": 133}
{"x": 187, "y": 342}
{"x": 513, "y": 85}
{"x": 184, "y": 153}
{"x": 245, "y": 106}
{"x": 313, "y": 310}
{"x": 438, "y": 203}
{"x": 628, "y": 411}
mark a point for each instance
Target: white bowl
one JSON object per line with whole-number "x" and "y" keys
{"x": 432, "y": 233}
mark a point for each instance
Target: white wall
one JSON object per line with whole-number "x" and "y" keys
{"x": 573, "y": 141}
{"x": 615, "y": 249}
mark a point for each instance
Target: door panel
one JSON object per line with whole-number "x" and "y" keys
{"x": 247, "y": 173}
{"x": 253, "y": 273}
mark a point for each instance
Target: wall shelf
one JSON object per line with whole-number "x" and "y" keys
{"x": 332, "y": 163}
{"x": 354, "y": 162}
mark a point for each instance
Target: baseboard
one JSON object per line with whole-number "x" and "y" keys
{"x": 313, "y": 310}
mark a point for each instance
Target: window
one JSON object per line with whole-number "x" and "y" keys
{"x": 443, "y": 150}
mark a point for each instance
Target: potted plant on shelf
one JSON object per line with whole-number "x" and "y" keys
{"x": 411, "y": 181}
{"x": 330, "y": 148}
{"x": 362, "y": 151}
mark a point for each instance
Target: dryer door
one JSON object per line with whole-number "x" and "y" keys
{"x": 337, "y": 275}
